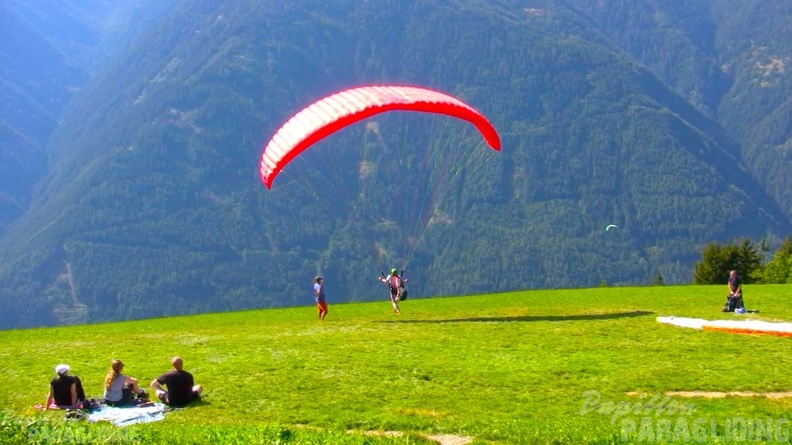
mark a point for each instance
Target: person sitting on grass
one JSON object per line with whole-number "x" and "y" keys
{"x": 66, "y": 391}
{"x": 180, "y": 388}
{"x": 121, "y": 390}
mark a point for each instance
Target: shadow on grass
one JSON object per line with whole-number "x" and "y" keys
{"x": 528, "y": 318}
{"x": 194, "y": 404}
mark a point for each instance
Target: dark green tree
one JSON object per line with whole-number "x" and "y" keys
{"x": 779, "y": 269}
{"x": 717, "y": 260}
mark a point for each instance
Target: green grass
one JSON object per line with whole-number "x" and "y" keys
{"x": 517, "y": 367}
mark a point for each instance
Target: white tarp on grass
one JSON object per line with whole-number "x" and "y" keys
{"x": 735, "y": 326}
{"x": 128, "y": 415}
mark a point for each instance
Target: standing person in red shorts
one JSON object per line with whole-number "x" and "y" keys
{"x": 321, "y": 303}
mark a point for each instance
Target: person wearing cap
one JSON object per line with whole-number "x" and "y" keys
{"x": 180, "y": 388}
{"x": 319, "y": 295}
{"x": 65, "y": 390}
{"x": 395, "y": 284}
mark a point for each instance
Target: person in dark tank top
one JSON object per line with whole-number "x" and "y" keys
{"x": 66, "y": 390}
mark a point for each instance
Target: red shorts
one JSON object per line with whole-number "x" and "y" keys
{"x": 322, "y": 306}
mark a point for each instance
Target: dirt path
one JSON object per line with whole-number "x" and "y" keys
{"x": 450, "y": 439}
{"x": 718, "y": 395}
{"x": 441, "y": 439}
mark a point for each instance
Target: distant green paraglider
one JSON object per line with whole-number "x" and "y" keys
{"x": 611, "y": 226}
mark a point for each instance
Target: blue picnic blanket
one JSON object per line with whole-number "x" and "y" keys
{"x": 128, "y": 415}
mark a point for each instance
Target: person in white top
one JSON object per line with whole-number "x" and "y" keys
{"x": 120, "y": 389}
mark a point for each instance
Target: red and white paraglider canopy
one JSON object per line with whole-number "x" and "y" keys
{"x": 345, "y": 108}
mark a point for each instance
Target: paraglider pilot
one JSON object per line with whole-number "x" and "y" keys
{"x": 734, "y": 301}
{"x": 396, "y": 286}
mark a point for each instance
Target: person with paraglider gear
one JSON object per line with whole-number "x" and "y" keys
{"x": 396, "y": 286}
{"x": 319, "y": 295}
{"x": 734, "y": 301}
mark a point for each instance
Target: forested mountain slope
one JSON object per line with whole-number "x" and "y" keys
{"x": 728, "y": 58}
{"x": 153, "y": 206}
{"x": 48, "y": 52}
{"x": 40, "y": 69}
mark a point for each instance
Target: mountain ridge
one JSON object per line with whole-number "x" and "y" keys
{"x": 154, "y": 203}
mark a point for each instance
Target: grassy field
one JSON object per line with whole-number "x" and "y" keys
{"x": 563, "y": 366}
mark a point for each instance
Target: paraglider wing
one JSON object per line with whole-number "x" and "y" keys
{"x": 610, "y": 226}
{"x": 339, "y": 110}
